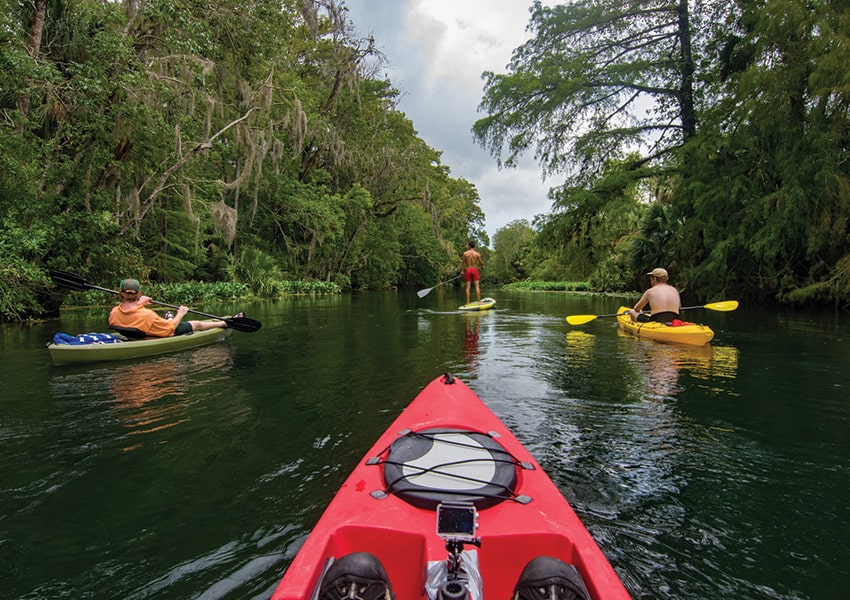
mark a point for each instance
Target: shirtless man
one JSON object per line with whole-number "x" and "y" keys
{"x": 469, "y": 266}
{"x": 663, "y": 300}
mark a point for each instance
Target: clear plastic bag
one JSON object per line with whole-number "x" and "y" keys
{"x": 437, "y": 576}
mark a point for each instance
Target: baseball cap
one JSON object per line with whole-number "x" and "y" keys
{"x": 130, "y": 285}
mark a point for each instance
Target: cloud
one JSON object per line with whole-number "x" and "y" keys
{"x": 459, "y": 40}
{"x": 510, "y": 193}
{"x": 436, "y": 52}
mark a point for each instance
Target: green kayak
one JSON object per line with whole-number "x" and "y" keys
{"x": 67, "y": 354}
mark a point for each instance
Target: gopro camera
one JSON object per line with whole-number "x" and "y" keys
{"x": 457, "y": 521}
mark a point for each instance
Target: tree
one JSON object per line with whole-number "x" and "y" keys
{"x": 590, "y": 229}
{"x": 769, "y": 191}
{"x": 605, "y": 94}
{"x": 178, "y": 140}
{"x": 597, "y": 79}
{"x": 512, "y": 245}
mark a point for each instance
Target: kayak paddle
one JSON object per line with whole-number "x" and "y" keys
{"x": 74, "y": 282}
{"x": 723, "y": 306}
{"x": 426, "y": 291}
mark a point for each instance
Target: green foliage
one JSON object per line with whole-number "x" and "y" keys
{"x": 310, "y": 287}
{"x": 259, "y": 271}
{"x": 590, "y": 229}
{"x": 222, "y": 144}
{"x": 427, "y": 258}
{"x": 183, "y": 142}
{"x": 195, "y": 293}
{"x": 460, "y": 217}
{"x": 753, "y": 203}
{"x": 382, "y": 263}
{"x": 186, "y": 293}
{"x": 615, "y": 272}
{"x": 21, "y": 282}
{"x": 767, "y": 199}
{"x": 546, "y": 266}
{"x": 511, "y": 257}
{"x": 204, "y": 294}
{"x": 548, "y": 286}
{"x": 170, "y": 242}
{"x": 835, "y": 290}
{"x": 595, "y": 79}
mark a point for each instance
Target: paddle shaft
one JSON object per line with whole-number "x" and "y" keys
{"x": 77, "y": 283}
{"x": 723, "y": 305}
{"x": 197, "y": 312}
{"x": 426, "y": 291}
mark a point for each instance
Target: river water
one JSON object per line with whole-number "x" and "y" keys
{"x": 703, "y": 473}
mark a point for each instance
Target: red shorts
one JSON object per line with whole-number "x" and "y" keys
{"x": 471, "y": 274}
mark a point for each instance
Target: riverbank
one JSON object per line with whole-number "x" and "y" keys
{"x": 547, "y": 286}
{"x": 197, "y": 292}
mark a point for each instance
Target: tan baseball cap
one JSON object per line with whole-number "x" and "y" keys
{"x": 658, "y": 272}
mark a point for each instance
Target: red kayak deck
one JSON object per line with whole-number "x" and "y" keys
{"x": 367, "y": 513}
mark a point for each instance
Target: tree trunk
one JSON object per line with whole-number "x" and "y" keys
{"x": 37, "y": 27}
{"x": 35, "y": 46}
{"x": 686, "y": 86}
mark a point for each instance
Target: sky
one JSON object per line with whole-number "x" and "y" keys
{"x": 436, "y": 51}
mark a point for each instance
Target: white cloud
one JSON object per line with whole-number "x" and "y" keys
{"x": 460, "y": 39}
{"x": 510, "y": 193}
{"x": 437, "y": 50}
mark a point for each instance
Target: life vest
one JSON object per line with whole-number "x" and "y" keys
{"x": 60, "y": 337}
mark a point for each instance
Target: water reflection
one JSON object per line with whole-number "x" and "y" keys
{"x": 136, "y": 390}
{"x": 660, "y": 365}
{"x": 581, "y": 347}
{"x": 151, "y": 395}
{"x": 470, "y": 340}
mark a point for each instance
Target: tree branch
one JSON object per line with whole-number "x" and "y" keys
{"x": 166, "y": 175}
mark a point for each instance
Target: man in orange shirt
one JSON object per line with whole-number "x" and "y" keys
{"x": 131, "y": 314}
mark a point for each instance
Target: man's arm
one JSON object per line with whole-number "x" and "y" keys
{"x": 638, "y": 307}
{"x": 644, "y": 300}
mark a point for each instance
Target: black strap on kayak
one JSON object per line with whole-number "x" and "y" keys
{"x": 400, "y": 472}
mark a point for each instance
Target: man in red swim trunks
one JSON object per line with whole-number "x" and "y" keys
{"x": 469, "y": 266}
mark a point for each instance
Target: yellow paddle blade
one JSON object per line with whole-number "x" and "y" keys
{"x": 580, "y": 319}
{"x": 725, "y": 305}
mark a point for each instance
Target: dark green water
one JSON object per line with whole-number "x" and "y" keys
{"x": 703, "y": 474}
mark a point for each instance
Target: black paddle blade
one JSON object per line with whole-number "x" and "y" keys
{"x": 243, "y": 324}
{"x": 68, "y": 280}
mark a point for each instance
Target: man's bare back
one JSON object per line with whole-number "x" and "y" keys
{"x": 471, "y": 258}
{"x": 469, "y": 266}
{"x": 662, "y": 298}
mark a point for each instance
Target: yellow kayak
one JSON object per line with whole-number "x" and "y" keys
{"x": 689, "y": 333}
{"x": 483, "y": 304}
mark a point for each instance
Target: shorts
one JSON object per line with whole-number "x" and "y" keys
{"x": 471, "y": 274}
{"x": 183, "y": 328}
{"x": 661, "y": 317}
